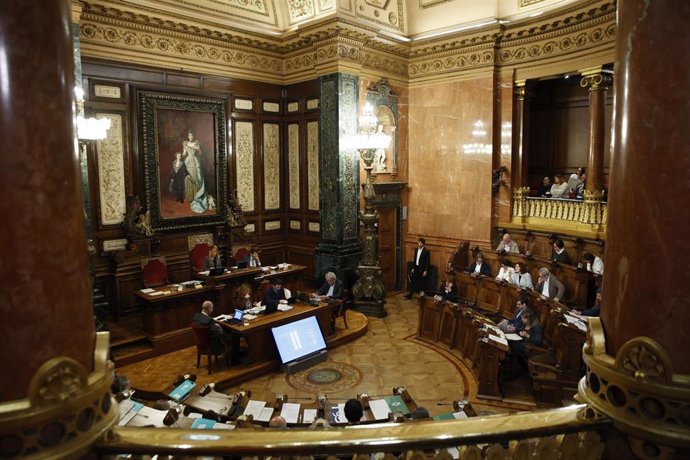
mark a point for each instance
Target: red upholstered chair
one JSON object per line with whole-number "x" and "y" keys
{"x": 202, "y": 338}
{"x": 154, "y": 272}
{"x": 197, "y": 256}
{"x": 242, "y": 253}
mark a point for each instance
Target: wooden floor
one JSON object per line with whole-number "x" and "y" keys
{"x": 386, "y": 355}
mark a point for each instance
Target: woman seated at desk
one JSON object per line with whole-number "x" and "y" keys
{"x": 506, "y": 272}
{"x": 448, "y": 290}
{"x": 243, "y": 297}
{"x": 521, "y": 278}
{"x": 531, "y": 334}
{"x": 212, "y": 260}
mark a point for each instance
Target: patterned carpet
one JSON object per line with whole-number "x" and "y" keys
{"x": 326, "y": 377}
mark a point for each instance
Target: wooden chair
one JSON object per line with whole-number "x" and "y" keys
{"x": 202, "y": 338}
{"x": 341, "y": 311}
{"x": 241, "y": 254}
{"x": 154, "y": 272}
{"x": 197, "y": 256}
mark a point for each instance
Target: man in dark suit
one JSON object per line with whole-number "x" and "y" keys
{"x": 479, "y": 267}
{"x": 332, "y": 288}
{"x": 220, "y": 341}
{"x": 275, "y": 295}
{"x": 420, "y": 269}
{"x": 559, "y": 254}
{"x": 550, "y": 286}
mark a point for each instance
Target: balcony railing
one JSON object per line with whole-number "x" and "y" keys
{"x": 568, "y": 432}
{"x": 592, "y": 211}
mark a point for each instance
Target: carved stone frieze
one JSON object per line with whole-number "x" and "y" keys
{"x": 193, "y": 240}
{"x": 293, "y": 165}
{"x": 111, "y": 172}
{"x": 638, "y": 390}
{"x": 244, "y": 154}
{"x": 313, "y": 165}
{"x": 271, "y": 166}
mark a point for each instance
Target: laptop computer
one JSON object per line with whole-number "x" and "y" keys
{"x": 236, "y": 317}
{"x": 216, "y": 271}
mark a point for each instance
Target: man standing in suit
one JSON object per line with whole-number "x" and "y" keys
{"x": 550, "y": 286}
{"x": 420, "y": 268}
{"x": 332, "y": 288}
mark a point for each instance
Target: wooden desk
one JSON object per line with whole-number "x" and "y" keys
{"x": 258, "y": 334}
{"x": 227, "y": 284}
{"x": 290, "y": 274}
{"x": 166, "y": 317}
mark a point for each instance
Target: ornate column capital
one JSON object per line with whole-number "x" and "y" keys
{"x": 596, "y": 78}
{"x": 522, "y": 90}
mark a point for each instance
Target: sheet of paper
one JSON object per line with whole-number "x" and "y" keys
{"x": 249, "y": 316}
{"x": 223, "y": 426}
{"x": 205, "y": 272}
{"x": 501, "y": 340}
{"x": 290, "y": 412}
{"x": 128, "y": 409}
{"x": 288, "y": 293}
{"x": 148, "y": 290}
{"x": 454, "y": 452}
{"x": 148, "y": 416}
{"x": 283, "y": 307}
{"x": 254, "y": 408}
{"x": 571, "y": 319}
{"x": 514, "y": 337}
{"x": 265, "y": 414}
{"x": 155, "y": 293}
{"x": 309, "y": 415}
{"x": 581, "y": 326}
{"x": 222, "y": 317}
{"x": 459, "y": 415}
{"x": 194, "y": 415}
{"x": 379, "y": 408}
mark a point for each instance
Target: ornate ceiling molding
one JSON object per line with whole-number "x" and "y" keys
{"x": 343, "y": 43}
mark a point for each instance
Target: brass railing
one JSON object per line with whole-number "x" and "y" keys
{"x": 568, "y": 432}
{"x": 592, "y": 210}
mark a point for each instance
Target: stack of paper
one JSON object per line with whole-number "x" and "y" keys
{"x": 148, "y": 290}
{"x": 379, "y": 409}
{"x": 290, "y": 412}
{"x": 309, "y": 415}
{"x": 254, "y": 408}
{"x": 513, "y": 337}
{"x": 284, "y": 307}
{"x": 497, "y": 339}
{"x": 128, "y": 409}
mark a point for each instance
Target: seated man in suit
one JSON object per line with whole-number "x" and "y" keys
{"x": 220, "y": 340}
{"x": 532, "y": 333}
{"x": 275, "y": 295}
{"x": 252, "y": 259}
{"x": 596, "y": 308}
{"x": 516, "y": 324}
{"x": 550, "y": 286}
{"x": 559, "y": 254}
{"x": 479, "y": 267}
{"x": 331, "y": 289}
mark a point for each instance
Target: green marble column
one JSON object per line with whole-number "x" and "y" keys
{"x": 339, "y": 250}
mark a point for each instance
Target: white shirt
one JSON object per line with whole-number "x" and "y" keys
{"x": 254, "y": 262}
{"x": 596, "y": 267}
{"x": 545, "y": 288}
{"x": 505, "y": 274}
{"x": 419, "y": 254}
{"x": 477, "y": 268}
{"x": 330, "y": 290}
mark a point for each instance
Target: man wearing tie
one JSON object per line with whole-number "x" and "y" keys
{"x": 254, "y": 258}
{"x": 420, "y": 269}
{"x": 516, "y": 324}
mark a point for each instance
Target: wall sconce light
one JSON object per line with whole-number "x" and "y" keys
{"x": 89, "y": 128}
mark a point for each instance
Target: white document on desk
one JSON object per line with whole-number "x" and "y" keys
{"x": 264, "y": 415}
{"x": 459, "y": 415}
{"x": 147, "y": 290}
{"x": 156, "y": 293}
{"x": 497, "y": 339}
{"x": 149, "y": 416}
{"x": 309, "y": 415}
{"x": 290, "y": 412}
{"x": 223, "y": 426}
{"x": 379, "y": 409}
{"x": 254, "y": 408}
{"x": 249, "y": 316}
{"x": 513, "y": 337}
{"x": 283, "y": 307}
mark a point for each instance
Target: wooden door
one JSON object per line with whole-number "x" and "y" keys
{"x": 387, "y": 239}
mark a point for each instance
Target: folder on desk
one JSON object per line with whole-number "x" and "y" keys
{"x": 182, "y": 390}
{"x": 203, "y": 424}
{"x": 396, "y": 404}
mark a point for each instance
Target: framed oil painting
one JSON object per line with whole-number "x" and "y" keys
{"x": 183, "y": 139}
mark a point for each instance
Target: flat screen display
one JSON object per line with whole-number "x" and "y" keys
{"x": 298, "y": 339}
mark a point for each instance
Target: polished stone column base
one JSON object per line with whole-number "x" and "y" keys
{"x": 66, "y": 411}
{"x": 638, "y": 390}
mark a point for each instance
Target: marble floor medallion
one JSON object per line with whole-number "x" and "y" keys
{"x": 329, "y": 376}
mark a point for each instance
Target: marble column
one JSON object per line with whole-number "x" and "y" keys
{"x": 597, "y": 79}
{"x": 339, "y": 250}
{"x": 638, "y": 365}
{"x": 45, "y": 296}
{"x": 521, "y": 135}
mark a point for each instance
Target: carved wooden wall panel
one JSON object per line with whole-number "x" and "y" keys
{"x": 244, "y": 166}
{"x": 111, "y": 172}
{"x": 271, "y": 166}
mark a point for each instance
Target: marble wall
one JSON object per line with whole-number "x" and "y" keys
{"x": 450, "y": 160}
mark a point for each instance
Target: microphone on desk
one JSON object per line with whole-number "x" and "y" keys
{"x": 444, "y": 404}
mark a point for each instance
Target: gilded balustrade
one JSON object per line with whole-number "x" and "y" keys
{"x": 589, "y": 213}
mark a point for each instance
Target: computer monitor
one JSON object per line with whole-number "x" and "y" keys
{"x": 298, "y": 339}
{"x": 216, "y": 271}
